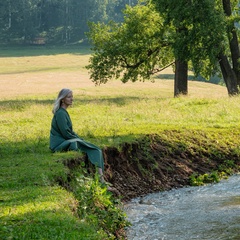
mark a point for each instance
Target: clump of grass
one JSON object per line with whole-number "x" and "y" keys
{"x": 223, "y": 171}
{"x": 41, "y": 212}
{"x": 97, "y": 205}
{"x": 213, "y": 177}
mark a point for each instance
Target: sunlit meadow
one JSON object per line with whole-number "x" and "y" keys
{"x": 107, "y": 115}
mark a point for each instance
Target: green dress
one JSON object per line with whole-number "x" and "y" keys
{"x": 63, "y": 138}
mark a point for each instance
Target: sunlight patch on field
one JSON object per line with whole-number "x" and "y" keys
{"x": 32, "y": 84}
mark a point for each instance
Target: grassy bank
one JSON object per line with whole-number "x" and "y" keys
{"x": 33, "y": 205}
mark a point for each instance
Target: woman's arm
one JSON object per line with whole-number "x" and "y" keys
{"x": 65, "y": 125}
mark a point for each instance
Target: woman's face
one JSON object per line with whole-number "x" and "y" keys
{"x": 68, "y": 100}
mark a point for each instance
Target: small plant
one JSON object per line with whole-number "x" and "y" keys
{"x": 98, "y": 206}
{"x": 227, "y": 167}
{"x": 213, "y": 177}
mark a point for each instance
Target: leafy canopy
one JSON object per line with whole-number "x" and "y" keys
{"x": 132, "y": 50}
{"x": 200, "y": 31}
{"x": 152, "y": 36}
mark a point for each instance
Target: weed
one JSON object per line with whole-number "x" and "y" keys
{"x": 213, "y": 177}
{"x": 97, "y": 205}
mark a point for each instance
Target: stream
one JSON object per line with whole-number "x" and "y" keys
{"x": 209, "y": 212}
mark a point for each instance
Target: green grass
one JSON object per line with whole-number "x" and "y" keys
{"x": 45, "y": 61}
{"x": 32, "y": 205}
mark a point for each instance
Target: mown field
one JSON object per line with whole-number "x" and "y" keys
{"x": 32, "y": 204}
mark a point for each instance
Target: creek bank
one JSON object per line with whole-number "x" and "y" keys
{"x": 152, "y": 164}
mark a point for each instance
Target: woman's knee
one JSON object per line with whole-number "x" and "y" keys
{"x": 73, "y": 146}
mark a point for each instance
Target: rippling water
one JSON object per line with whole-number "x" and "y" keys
{"x": 209, "y": 212}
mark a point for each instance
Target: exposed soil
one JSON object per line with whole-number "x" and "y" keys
{"x": 151, "y": 165}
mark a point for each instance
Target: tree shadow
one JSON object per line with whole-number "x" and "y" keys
{"x": 171, "y": 76}
{"x": 119, "y": 101}
{"x": 165, "y": 76}
{"x": 21, "y": 104}
{"x": 46, "y": 50}
{"x": 191, "y": 77}
{"x": 45, "y": 224}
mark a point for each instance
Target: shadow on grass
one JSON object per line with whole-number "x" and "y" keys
{"x": 213, "y": 79}
{"x": 119, "y": 101}
{"x": 28, "y": 51}
{"x": 21, "y": 104}
{"x": 171, "y": 76}
{"x": 45, "y": 224}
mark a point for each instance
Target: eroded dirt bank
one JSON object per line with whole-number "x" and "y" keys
{"x": 153, "y": 164}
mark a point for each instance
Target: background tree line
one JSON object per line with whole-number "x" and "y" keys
{"x": 58, "y": 21}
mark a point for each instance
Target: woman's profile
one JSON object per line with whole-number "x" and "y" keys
{"x": 62, "y": 136}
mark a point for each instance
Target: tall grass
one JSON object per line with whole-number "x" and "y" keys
{"x": 33, "y": 206}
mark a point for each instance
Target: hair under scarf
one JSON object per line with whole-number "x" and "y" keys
{"x": 61, "y": 95}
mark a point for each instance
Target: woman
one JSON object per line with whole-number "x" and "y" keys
{"x": 62, "y": 136}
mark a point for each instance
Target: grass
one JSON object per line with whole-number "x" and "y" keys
{"x": 44, "y": 62}
{"x": 40, "y": 213}
{"x": 32, "y": 205}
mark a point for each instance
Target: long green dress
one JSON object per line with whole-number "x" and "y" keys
{"x": 63, "y": 138}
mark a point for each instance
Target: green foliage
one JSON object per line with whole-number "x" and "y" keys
{"x": 213, "y": 177}
{"x": 58, "y": 21}
{"x": 40, "y": 212}
{"x": 227, "y": 167}
{"x": 199, "y": 35}
{"x": 97, "y": 205}
{"x": 153, "y": 35}
{"x": 223, "y": 171}
{"x": 137, "y": 48}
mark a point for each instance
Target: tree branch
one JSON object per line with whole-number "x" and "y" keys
{"x": 150, "y": 52}
{"x": 161, "y": 69}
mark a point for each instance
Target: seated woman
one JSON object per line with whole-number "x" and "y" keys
{"x": 62, "y": 136}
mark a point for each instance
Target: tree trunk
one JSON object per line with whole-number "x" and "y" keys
{"x": 233, "y": 41}
{"x": 9, "y": 15}
{"x": 181, "y": 78}
{"x": 228, "y": 74}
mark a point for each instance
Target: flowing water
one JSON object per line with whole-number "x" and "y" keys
{"x": 209, "y": 212}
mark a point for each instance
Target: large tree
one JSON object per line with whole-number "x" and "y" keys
{"x": 153, "y": 36}
{"x": 232, "y": 35}
{"x": 202, "y": 31}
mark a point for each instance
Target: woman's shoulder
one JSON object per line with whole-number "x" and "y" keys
{"x": 61, "y": 111}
